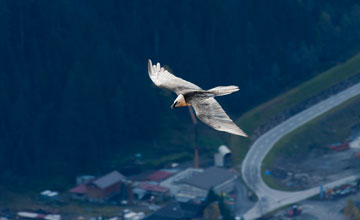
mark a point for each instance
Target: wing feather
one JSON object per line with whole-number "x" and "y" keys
{"x": 211, "y": 113}
{"x": 165, "y": 79}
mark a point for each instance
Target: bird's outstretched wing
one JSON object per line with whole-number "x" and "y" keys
{"x": 211, "y": 113}
{"x": 163, "y": 78}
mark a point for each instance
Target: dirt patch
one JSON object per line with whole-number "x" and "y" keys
{"x": 317, "y": 168}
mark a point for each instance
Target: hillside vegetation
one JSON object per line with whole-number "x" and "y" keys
{"x": 75, "y": 93}
{"x": 259, "y": 115}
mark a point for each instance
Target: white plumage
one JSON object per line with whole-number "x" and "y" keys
{"x": 207, "y": 109}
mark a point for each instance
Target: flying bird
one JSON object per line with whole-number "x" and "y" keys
{"x": 207, "y": 109}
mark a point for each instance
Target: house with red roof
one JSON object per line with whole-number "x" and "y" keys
{"x": 100, "y": 189}
{"x": 145, "y": 190}
{"x": 159, "y": 176}
{"x": 156, "y": 189}
{"x": 79, "y": 192}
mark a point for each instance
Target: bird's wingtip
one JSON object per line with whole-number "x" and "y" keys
{"x": 244, "y": 135}
{"x": 241, "y": 133}
{"x": 236, "y": 87}
{"x": 149, "y": 66}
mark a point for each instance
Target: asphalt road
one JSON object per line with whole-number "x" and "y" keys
{"x": 270, "y": 199}
{"x": 242, "y": 201}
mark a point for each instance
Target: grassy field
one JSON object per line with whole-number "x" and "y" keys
{"x": 331, "y": 127}
{"x": 257, "y": 116}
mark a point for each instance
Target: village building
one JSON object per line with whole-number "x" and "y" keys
{"x": 150, "y": 186}
{"x": 160, "y": 175}
{"x": 105, "y": 187}
{"x": 100, "y": 189}
{"x": 194, "y": 184}
{"x": 79, "y": 192}
{"x": 153, "y": 190}
{"x": 223, "y": 157}
{"x": 221, "y": 180}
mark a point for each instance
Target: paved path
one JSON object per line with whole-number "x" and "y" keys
{"x": 270, "y": 199}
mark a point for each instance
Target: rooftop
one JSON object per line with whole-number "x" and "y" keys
{"x": 211, "y": 177}
{"x": 153, "y": 187}
{"x": 159, "y": 175}
{"x": 109, "y": 179}
{"x": 80, "y": 189}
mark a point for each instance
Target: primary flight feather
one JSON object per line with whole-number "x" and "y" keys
{"x": 207, "y": 109}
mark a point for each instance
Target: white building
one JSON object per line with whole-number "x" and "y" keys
{"x": 195, "y": 183}
{"x": 173, "y": 183}
{"x": 223, "y": 157}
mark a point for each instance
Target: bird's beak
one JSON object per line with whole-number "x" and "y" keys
{"x": 173, "y": 105}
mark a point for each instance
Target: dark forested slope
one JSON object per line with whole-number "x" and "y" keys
{"x": 74, "y": 89}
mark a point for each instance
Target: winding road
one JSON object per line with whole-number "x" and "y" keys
{"x": 270, "y": 199}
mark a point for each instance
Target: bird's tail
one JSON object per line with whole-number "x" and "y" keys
{"x": 223, "y": 90}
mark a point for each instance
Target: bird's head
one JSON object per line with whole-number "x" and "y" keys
{"x": 174, "y": 104}
{"x": 179, "y": 102}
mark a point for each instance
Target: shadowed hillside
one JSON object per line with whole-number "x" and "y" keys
{"x": 74, "y": 91}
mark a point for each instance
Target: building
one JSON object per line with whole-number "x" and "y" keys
{"x": 79, "y": 192}
{"x": 173, "y": 183}
{"x": 177, "y": 211}
{"x": 194, "y": 184}
{"x": 147, "y": 190}
{"x": 159, "y": 176}
{"x": 223, "y": 157}
{"x": 197, "y": 186}
{"x": 105, "y": 187}
{"x": 150, "y": 187}
{"x": 112, "y": 186}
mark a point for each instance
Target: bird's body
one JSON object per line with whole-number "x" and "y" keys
{"x": 207, "y": 109}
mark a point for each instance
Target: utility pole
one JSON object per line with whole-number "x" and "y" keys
{"x": 196, "y": 150}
